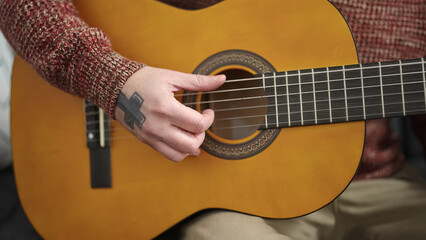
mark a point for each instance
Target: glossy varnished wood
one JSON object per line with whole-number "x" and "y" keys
{"x": 304, "y": 169}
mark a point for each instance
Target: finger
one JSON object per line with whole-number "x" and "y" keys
{"x": 197, "y": 82}
{"x": 191, "y": 120}
{"x": 169, "y": 152}
{"x": 183, "y": 141}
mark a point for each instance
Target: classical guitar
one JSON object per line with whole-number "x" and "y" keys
{"x": 292, "y": 68}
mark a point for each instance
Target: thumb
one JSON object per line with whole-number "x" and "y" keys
{"x": 196, "y": 82}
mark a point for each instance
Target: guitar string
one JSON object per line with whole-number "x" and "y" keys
{"x": 128, "y": 135}
{"x": 300, "y": 85}
{"x": 358, "y": 117}
{"x": 296, "y": 84}
{"x": 296, "y": 112}
{"x": 114, "y": 129}
{"x": 293, "y": 94}
{"x": 296, "y": 103}
{"x": 312, "y": 72}
{"x": 303, "y": 74}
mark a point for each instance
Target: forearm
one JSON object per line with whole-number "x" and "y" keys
{"x": 65, "y": 51}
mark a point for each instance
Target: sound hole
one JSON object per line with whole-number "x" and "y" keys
{"x": 240, "y": 106}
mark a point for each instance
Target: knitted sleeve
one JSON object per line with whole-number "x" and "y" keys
{"x": 65, "y": 51}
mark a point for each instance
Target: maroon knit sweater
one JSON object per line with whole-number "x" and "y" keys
{"x": 66, "y": 52}
{"x": 78, "y": 59}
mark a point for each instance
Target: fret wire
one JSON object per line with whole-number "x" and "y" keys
{"x": 329, "y": 95}
{"x": 346, "y": 96}
{"x": 276, "y": 101}
{"x": 315, "y": 99}
{"x": 288, "y": 99}
{"x": 264, "y": 88}
{"x": 266, "y": 120}
{"x": 402, "y": 87}
{"x": 300, "y": 97}
{"x": 362, "y": 90}
{"x": 381, "y": 90}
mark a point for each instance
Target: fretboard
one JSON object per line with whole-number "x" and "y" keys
{"x": 345, "y": 93}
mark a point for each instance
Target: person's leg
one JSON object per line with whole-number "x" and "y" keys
{"x": 318, "y": 225}
{"x": 222, "y": 225}
{"x": 392, "y": 208}
{"x": 230, "y": 225}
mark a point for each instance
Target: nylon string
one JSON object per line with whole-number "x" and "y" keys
{"x": 285, "y": 104}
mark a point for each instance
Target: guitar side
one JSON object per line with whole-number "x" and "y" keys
{"x": 150, "y": 193}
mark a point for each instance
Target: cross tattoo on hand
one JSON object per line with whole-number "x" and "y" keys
{"x": 131, "y": 108}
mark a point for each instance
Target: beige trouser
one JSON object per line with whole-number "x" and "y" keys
{"x": 392, "y": 208}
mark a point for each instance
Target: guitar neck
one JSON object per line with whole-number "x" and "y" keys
{"x": 345, "y": 93}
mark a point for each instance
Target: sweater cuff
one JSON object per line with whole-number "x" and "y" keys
{"x": 101, "y": 72}
{"x": 108, "y": 78}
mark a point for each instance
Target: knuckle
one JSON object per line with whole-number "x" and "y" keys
{"x": 160, "y": 108}
{"x": 201, "y": 138}
{"x": 187, "y": 145}
{"x": 200, "y": 79}
{"x": 193, "y": 148}
{"x": 195, "y": 145}
{"x": 151, "y": 130}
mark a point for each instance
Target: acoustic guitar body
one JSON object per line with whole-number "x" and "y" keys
{"x": 270, "y": 173}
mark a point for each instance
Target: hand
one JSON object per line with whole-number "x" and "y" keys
{"x": 146, "y": 106}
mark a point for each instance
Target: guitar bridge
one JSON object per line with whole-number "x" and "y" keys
{"x": 98, "y": 142}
